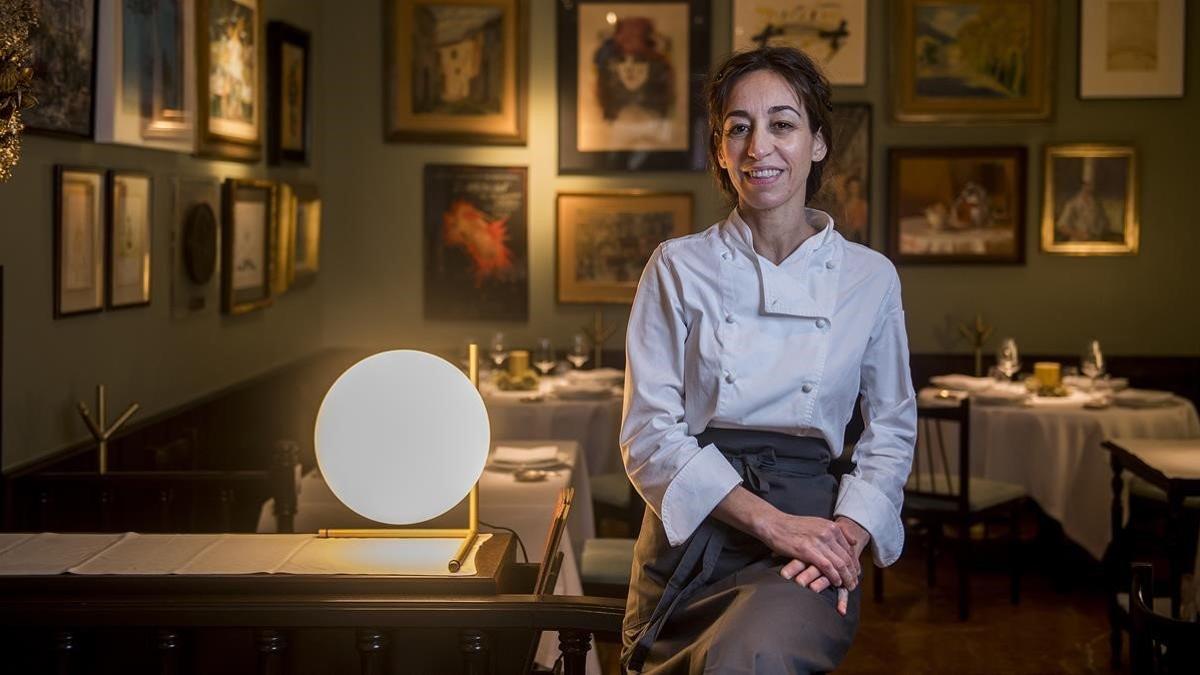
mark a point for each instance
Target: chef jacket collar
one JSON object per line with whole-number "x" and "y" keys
{"x": 739, "y": 235}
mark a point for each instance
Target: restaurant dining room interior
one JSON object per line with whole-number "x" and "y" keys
{"x": 314, "y": 319}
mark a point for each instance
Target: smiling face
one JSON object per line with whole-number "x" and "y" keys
{"x": 766, "y": 146}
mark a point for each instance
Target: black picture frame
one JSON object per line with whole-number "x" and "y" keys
{"x": 627, "y": 156}
{"x": 280, "y": 148}
{"x": 72, "y": 298}
{"x": 54, "y": 89}
{"x": 235, "y": 299}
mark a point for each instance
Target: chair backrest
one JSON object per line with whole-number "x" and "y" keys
{"x": 551, "y": 556}
{"x": 939, "y": 472}
{"x": 1158, "y": 644}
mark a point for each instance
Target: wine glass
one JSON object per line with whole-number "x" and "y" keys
{"x": 579, "y": 351}
{"x": 499, "y": 350}
{"x": 1092, "y": 362}
{"x": 1008, "y": 359}
{"x": 543, "y": 357}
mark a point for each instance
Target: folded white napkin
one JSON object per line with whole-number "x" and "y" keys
{"x": 1143, "y": 398}
{"x": 1000, "y": 395}
{"x": 961, "y": 382}
{"x": 608, "y": 376}
{"x": 507, "y": 454}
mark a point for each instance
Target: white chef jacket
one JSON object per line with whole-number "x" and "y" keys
{"x": 720, "y": 336}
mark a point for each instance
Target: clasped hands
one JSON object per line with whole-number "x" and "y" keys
{"x": 824, "y": 552}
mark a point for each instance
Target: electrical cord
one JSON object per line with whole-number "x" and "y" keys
{"x": 524, "y": 555}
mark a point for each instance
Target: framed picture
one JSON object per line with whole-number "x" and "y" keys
{"x": 306, "y": 234}
{"x": 846, "y": 186}
{"x": 834, "y": 32}
{"x": 971, "y": 61}
{"x": 78, "y": 240}
{"x": 247, "y": 238}
{"x": 605, "y": 239}
{"x": 1090, "y": 203}
{"x": 476, "y": 243}
{"x": 957, "y": 205}
{"x": 64, "y": 57}
{"x": 629, "y": 85}
{"x": 1131, "y": 49}
{"x": 281, "y": 248}
{"x": 195, "y": 245}
{"x": 455, "y": 71}
{"x": 229, "y": 54}
{"x": 130, "y": 218}
{"x": 144, "y": 69}
{"x": 288, "y": 94}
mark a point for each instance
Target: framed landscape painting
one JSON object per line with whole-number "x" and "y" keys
{"x": 455, "y": 71}
{"x": 629, "y": 85}
{"x": 846, "y": 184}
{"x": 64, "y": 59}
{"x": 834, "y": 32}
{"x": 229, "y": 50}
{"x": 476, "y": 243}
{"x": 1090, "y": 205}
{"x": 605, "y": 239}
{"x": 247, "y": 244}
{"x": 1131, "y": 49}
{"x": 78, "y": 240}
{"x": 957, "y": 205}
{"x": 130, "y": 224}
{"x": 971, "y": 60}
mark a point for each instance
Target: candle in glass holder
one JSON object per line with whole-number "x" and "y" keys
{"x": 1049, "y": 374}
{"x": 518, "y": 362}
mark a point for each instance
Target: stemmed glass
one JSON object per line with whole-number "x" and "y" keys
{"x": 1008, "y": 359}
{"x": 543, "y": 357}
{"x": 499, "y": 350}
{"x": 1092, "y": 362}
{"x": 579, "y": 351}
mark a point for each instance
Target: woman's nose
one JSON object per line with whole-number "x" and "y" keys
{"x": 760, "y": 143}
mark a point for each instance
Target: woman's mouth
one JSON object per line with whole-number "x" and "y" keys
{"x": 762, "y": 176}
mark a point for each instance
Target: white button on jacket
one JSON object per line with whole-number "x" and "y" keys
{"x": 804, "y": 338}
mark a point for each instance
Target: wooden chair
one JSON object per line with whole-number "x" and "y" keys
{"x": 939, "y": 494}
{"x": 613, "y": 498}
{"x": 1157, "y": 643}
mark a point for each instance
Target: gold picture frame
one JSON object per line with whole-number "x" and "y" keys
{"x": 963, "y": 61}
{"x": 228, "y": 122}
{"x": 1090, "y": 202}
{"x": 249, "y": 227}
{"x": 605, "y": 239}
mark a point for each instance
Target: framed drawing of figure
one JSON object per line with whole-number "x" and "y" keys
{"x": 229, "y": 57}
{"x": 247, "y": 241}
{"x": 455, "y": 71}
{"x": 287, "y": 93}
{"x": 845, "y": 192}
{"x": 130, "y": 216}
{"x": 64, "y": 59}
{"x": 629, "y": 81}
{"x": 834, "y": 32}
{"x": 1132, "y": 49}
{"x": 1090, "y": 205}
{"x": 78, "y": 240}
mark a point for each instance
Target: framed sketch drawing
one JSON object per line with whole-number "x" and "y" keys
{"x": 971, "y": 60}
{"x": 78, "y": 240}
{"x": 130, "y": 223}
{"x": 846, "y": 182}
{"x": 957, "y": 205}
{"x": 605, "y": 239}
{"x": 476, "y": 243}
{"x": 1131, "y": 49}
{"x": 834, "y": 32}
{"x": 247, "y": 238}
{"x": 455, "y": 71}
{"x": 629, "y": 85}
{"x": 1090, "y": 205}
{"x": 64, "y": 56}
{"x": 229, "y": 57}
{"x": 287, "y": 93}
{"x": 144, "y": 69}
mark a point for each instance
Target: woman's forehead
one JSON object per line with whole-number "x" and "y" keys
{"x": 762, "y": 89}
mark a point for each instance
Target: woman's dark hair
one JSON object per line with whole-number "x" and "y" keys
{"x": 805, "y": 78}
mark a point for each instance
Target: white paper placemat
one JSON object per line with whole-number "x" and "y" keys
{"x": 246, "y": 554}
{"x": 410, "y": 557}
{"x": 147, "y": 554}
{"x": 11, "y": 539}
{"x": 52, "y": 553}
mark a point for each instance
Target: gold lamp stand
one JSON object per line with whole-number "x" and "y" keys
{"x": 468, "y": 533}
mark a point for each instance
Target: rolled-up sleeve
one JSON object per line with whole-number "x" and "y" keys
{"x": 680, "y": 480}
{"x": 873, "y": 494}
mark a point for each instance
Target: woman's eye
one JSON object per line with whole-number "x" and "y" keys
{"x": 737, "y": 130}
{"x": 782, "y": 126}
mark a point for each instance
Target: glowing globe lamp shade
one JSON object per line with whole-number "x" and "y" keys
{"x": 401, "y": 437}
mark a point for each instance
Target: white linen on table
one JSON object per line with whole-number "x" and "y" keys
{"x": 52, "y": 553}
{"x": 524, "y": 455}
{"x": 11, "y": 539}
{"x": 410, "y": 557}
{"x": 147, "y": 554}
{"x": 245, "y": 554}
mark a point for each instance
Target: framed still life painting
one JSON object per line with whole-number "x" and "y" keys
{"x": 605, "y": 239}
{"x": 476, "y": 243}
{"x": 287, "y": 93}
{"x": 130, "y": 209}
{"x": 834, "y": 32}
{"x": 845, "y": 190}
{"x": 957, "y": 205}
{"x": 78, "y": 240}
{"x": 1090, "y": 206}
{"x": 971, "y": 60}
{"x": 64, "y": 59}
{"x": 247, "y": 240}
{"x": 455, "y": 71}
{"x": 229, "y": 57}
{"x": 144, "y": 69}
{"x": 629, "y": 85}
{"x": 1131, "y": 49}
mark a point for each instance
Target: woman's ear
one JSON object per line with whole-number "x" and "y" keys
{"x": 819, "y": 147}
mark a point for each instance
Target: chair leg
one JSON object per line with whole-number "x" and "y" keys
{"x": 964, "y": 564}
{"x": 877, "y": 583}
{"x": 1014, "y": 552}
{"x": 933, "y": 539}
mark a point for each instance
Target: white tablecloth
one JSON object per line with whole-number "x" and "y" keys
{"x": 1053, "y": 449}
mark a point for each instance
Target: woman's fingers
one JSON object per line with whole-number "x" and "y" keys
{"x": 843, "y": 603}
{"x": 791, "y": 569}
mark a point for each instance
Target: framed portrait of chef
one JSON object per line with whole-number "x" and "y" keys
{"x": 630, "y": 76}
{"x": 455, "y": 71}
{"x": 1090, "y": 201}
